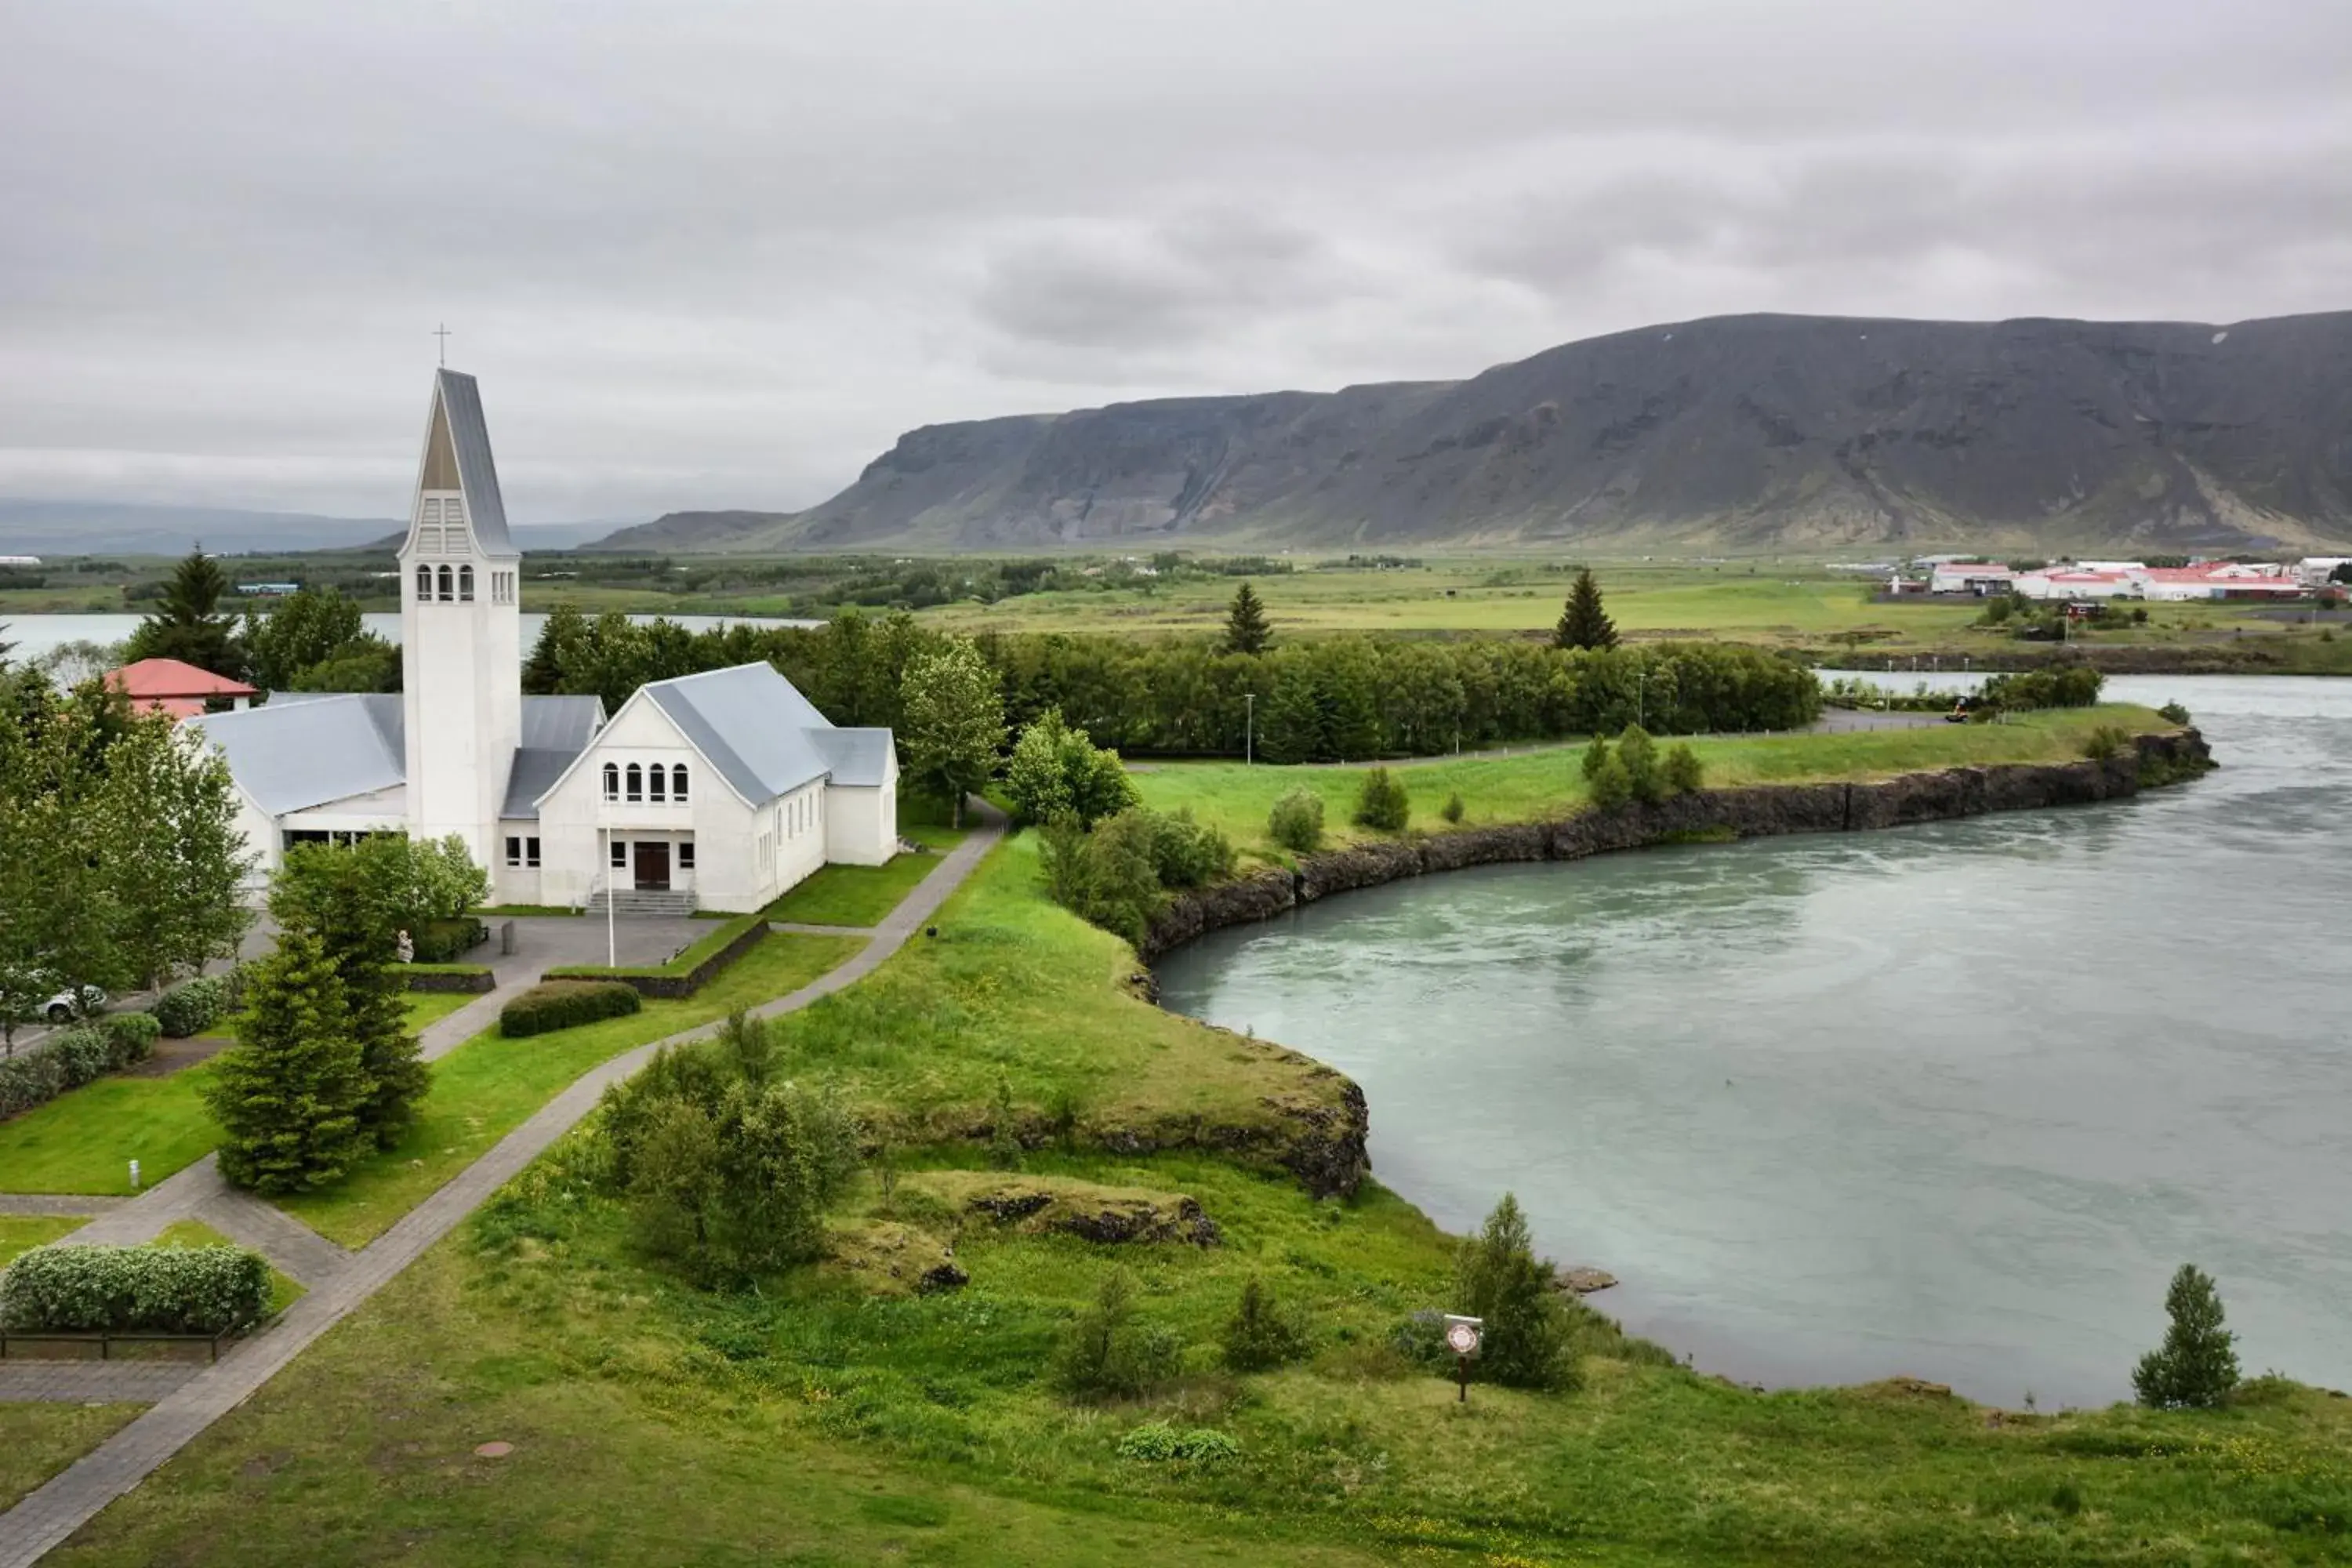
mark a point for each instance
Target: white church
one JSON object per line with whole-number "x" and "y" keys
{"x": 718, "y": 791}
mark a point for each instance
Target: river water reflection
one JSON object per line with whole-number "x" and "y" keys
{"x": 1949, "y": 1101}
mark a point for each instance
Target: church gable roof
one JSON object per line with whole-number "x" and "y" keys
{"x": 302, "y": 754}
{"x": 751, "y": 724}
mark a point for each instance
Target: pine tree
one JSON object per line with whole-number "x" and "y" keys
{"x": 1246, "y": 628}
{"x": 2196, "y": 1366}
{"x": 1582, "y": 622}
{"x": 288, "y": 1094}
{"x": 1497, "y": 1277}
{"x": 354, "y": 902}
{"x": 185, "y": 625}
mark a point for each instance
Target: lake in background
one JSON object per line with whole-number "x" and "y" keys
{"x": 36, "y": 635}
{"x": 1949, "y": 1101}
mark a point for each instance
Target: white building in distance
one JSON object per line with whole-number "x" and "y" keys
{"x": 720, "y": 790}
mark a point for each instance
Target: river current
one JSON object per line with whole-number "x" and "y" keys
{"x": 1949, "y": 1101}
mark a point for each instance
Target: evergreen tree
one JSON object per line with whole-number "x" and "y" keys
{"x": 1497, "y": 1277}
{"x": 1582, "y": 622}
{"x": 355, "y": 902}
{"x": 287, "y": 1095}
{"x": 1246, "y": 628}
{"x": 2197, "y": 1365}
{"x": 952, "y": 723}
{"x": 562, "y": 653}
{"x": 186, "y": 625}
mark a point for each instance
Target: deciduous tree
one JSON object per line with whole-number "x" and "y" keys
{"x": 2197, "y": 1365}
{"x": 953, "y": 721}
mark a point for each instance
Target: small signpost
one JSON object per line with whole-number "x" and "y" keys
{"x": 1462, "y": 1338}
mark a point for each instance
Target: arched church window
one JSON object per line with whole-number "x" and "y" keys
{"x": 637, "y": 782}
{"x": 447, "y": 594}
{"x": 466, "y": 584}
{"x": 678, "y": 782}
{"x": 424, "y": 583}
{"x": 654, "y": 790}
{"x": 612, "y": 780}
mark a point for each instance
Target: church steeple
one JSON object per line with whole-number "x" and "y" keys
{"x": 460, "y": 626}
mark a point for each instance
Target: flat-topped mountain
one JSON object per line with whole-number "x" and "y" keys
{"x": 1740, "y": 431}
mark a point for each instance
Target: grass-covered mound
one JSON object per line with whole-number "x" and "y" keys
{"x": 1018, "y": 997}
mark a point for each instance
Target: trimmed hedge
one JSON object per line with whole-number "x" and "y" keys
{"x": 69, "y": 1289}
{"x": 686, "y": 973}
{"x": 468, "y": 979}
{"x": 566, "y": 1003}
{"x": 445, "y": 941}
{"x": 193, "y": 1006}
{"x": 73, "y": 1058}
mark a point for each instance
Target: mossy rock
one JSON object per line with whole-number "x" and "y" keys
{"x": 893, "y": 1260}
{"x": 1038, "y": 1205}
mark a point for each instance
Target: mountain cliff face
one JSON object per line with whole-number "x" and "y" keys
{"x": 1737, "y": 432}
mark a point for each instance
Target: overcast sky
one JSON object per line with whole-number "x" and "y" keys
{"x": 721, "y": 255}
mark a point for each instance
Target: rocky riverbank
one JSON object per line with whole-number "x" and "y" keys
{"x": 1750, "y": 812}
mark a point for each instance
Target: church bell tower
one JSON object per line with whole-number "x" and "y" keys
{"x": 460, "y": 628}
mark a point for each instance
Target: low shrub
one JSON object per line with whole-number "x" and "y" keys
{"x": 76, "y": 1057}
{"x": 1610, "y": 785}
{"x": 192, "y": 1006}
{"x": 1263, "y": 1332}
{"x": 1296, "y": 822}
{"x": 84, "y": 1054}
{"x": 2106, "y": 742}
{"x": 1638, "y": 755}
{"x": 2063, "y": 686}
{"x": 2173, "y": 713}
{"x": 1383, "y": 804}
{"x": 446, "y": 941}
{"x": 69, "y": 1289}
{"x": 1186, "y": 853}
{"x": 566, "y": 1003}
{"x": 1682, "y": 770}
{"x": 1452, "y": 809}
{"x": 1108, "y": 1353}
{"x": 1107, "y": 876}
{"x": 133, "y": 1035}
{"x": 1157, "y": 1442}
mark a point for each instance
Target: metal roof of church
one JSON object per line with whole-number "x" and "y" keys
{"x": 469, "y": 434}
{"x": 765, "y": 738}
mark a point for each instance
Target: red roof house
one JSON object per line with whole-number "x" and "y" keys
{"x": 169, "y": 686}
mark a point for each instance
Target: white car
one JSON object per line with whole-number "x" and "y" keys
{"x": 74, "y": 1001}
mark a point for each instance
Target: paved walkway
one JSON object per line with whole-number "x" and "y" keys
{"x": 38, "y": 1381}
{"x": 801, "y": 928}
{"x": 63, "y": 1207}
{"x": 73, "y": 1496}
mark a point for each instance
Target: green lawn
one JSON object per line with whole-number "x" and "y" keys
{"x": 863, "y": 895}
{"x": 82, "y": 1142}
{"x": 1543, "y": 782}
{"x": 36, "y": 1441}
{"x": 490, "y": 1086}
{"x": 22, "y": 1233}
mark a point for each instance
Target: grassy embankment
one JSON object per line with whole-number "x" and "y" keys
{"x": 654, "y": 1422}
{"x": 1548, "y": 781}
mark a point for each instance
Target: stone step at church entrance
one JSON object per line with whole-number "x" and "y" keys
{"x": 645, "y": 903}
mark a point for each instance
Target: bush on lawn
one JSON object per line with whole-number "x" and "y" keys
{"x": 1263, "y": 1332}
{"x": 192, "y": 1006}
{"x": 133, "y": 1035}
{"x": 1296, "y": 821}
{"x": 566, "y": 1003}
{"x": 1108, "y": 1354}
{"x": 1381, "y": 803}
{"x": 68, "y": 1288}
{"x": 1186, "y": 853}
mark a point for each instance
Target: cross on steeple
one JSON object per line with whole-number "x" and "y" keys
{"x": 442, "y": 331}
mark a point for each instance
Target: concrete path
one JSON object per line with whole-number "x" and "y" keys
{"x": 65, "y": 1207}
{"x": 41, "y": 1382}
{"x": 73, "y": 1496}
{"x": 799, "y": 928}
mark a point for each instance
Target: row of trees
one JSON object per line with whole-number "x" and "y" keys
{"x": 122, "y": 854}
{"x": 311, "y": 640}
{"x": 1345, "y": 698}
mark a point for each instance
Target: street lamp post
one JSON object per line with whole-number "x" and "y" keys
{"x": 612, "y": 939}
{"x": 1249, "y": 730}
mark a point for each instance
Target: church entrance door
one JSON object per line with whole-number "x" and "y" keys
{"x": 653, "y": 865}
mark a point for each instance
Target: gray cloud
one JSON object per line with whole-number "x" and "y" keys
{"x": 719, "y": 254}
